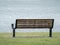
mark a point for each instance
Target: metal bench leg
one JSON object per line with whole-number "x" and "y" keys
{"x": 13, "y": 32}
{"x": 13, "y": 29}
{"x": 50, "y": 33}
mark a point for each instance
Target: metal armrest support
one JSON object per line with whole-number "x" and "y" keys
{"x": 12, "y": 26}
{"x": 13, "y": 29}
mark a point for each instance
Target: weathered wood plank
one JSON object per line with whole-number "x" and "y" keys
{"x": 34, "y": 23}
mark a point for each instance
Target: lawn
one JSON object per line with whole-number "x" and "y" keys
{"x": 41, "y": 38}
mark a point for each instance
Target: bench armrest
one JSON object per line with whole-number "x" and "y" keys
{"x": 12, "y": 26}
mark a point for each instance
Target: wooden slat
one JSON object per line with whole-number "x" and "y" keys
{"x": 34, "y": 23}
{"x": 43, "y": 23}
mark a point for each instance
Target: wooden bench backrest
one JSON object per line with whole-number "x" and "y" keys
{"x": 34, "y": 23}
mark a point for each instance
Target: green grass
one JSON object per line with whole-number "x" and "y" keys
{"x": 43, "y": 39}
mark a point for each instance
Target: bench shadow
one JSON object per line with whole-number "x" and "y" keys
{"x": 32, "y": 37}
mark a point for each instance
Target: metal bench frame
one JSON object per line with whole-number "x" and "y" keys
{"x": 16, "y": 25}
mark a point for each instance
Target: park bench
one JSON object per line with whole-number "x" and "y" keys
{"x": 33, "y": 23}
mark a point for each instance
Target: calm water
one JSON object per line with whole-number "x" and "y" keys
{"x": 10, "y": 10}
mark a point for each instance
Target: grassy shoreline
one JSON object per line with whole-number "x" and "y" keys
{"x": 7, "y": 39}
